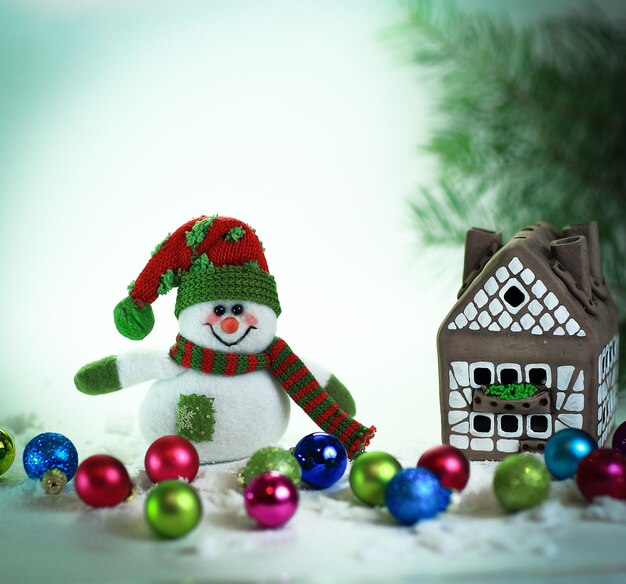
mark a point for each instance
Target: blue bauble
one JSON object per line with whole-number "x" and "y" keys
{"x": 564, "y": 451}
{"x": 414, "y": 494}
{"x": 49, "y": 451}
{"x": 322, "y": 458}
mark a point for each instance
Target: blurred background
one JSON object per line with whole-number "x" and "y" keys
{"x": 312, "y": 121}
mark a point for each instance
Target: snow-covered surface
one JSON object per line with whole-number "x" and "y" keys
{"x": 332, "y": 538}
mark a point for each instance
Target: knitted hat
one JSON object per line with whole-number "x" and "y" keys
{"x": 208, "y": 258}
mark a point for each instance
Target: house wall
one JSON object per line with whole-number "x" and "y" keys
{"x": 607, "y": 389}
{"x": 494, "y": 435}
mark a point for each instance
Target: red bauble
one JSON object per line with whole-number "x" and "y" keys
{"x": 602, "y": 473}
{"x": 102, "y": 481}
{"x": 449, "y": 464}
{"x": 171, "y": 458}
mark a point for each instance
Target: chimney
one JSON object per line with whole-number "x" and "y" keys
{"x": 480, "y": 245}
{"x": 571, "y": 253}
{"x": 590, "y": 231}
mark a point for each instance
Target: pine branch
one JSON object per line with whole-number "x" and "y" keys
{"x": 534, "y": 126}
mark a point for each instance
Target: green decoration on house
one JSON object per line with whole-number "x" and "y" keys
{"x": 512, "y": 391}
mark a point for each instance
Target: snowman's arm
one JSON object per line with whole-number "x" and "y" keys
{"x": 337, "y": 390}
{"x": 125, "y": 370}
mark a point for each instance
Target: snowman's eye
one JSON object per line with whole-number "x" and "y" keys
{"x": 237, "y": 309}
{"x": 219, "y": 310}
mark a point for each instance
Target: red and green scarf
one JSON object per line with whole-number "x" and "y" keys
{"x": 294, "y": 376}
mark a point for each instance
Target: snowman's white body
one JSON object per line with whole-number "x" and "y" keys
{"x": 250, "y": 410}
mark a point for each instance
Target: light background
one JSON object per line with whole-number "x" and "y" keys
{"x": 121, "y": 120}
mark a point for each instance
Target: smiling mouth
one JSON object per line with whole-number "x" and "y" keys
{"x": 221, "y": 340}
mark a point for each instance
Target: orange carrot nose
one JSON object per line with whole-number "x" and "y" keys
{"x": 230, "y": 325}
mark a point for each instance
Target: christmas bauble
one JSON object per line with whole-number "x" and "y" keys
{"x": 7, "y": 451}
{"x": 52, "y": 458}
{"x": 602, "y": 473}
{"x": 449, "y": 464}
{"x": 619, "y": 438}
{"x": 271, "y": 499}
{"x": 322, "y": 459}
{"x": 271, "y": 458}
{"x": 173, "y": 508}
{"x": 414, "y": 494}
{"x": 171, "y": 457}
{"x": 370, "y": 474}
{"x": 102, "y": 481}
{"x": 521, "y": 481}
{"x": 564, "y": 451}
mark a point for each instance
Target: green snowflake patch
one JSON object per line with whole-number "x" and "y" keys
{"x": 196, "y": 417}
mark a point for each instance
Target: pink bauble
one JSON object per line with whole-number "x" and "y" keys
{"x": 449, "y": 464}
{"x": 271, "y": 499}
{"x": 602, "y": 473}
{"x": 102, "y": 481}
{"x": 171, "y": 458}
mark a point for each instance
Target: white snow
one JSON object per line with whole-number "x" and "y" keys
{"x": 332, "y": 537}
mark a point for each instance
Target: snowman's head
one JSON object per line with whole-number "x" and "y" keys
{"x": 207, "y": 259}
{"x": 234, "y": 326}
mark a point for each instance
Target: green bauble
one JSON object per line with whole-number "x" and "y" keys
{"x": 370, "y": 474}
{"x": 173, "y": 508}
{"x": 521, "y": 481}
{"x": 7, "y": 451}
{"x": 271, "y": 458}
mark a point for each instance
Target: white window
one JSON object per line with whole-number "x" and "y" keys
{"x": 481, "y": 424}
{"x": 481, "y": 374}
{"x": 539, "y": 425}
{"x": 514, "y": 295}
{"x": 510, "y": 425}
{"x": 509, "y": 373}
{"x": 539, "y": 374}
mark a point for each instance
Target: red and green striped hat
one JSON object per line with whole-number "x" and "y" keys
{"x": 208, "y": 258}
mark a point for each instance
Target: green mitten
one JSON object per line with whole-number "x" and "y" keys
{"x": 98, "y": 377}
{"x": 339, "y": 392}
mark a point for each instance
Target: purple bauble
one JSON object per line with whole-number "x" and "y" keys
{"x": 271, "y": 499}
{"x": 619, "y": 438}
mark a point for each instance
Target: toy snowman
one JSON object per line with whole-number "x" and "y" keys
{"x": 225, "y": 384}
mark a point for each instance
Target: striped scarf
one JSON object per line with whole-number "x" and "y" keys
{"x": 292, "y": 374}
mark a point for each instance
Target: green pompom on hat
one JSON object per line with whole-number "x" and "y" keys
{"x": 208, "y": 258}
{"x": 133, "y": 321}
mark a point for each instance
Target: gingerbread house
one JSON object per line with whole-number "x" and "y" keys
{"x": 534, "y": 312}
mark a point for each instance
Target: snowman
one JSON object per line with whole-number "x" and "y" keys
{"x": 226, "y": 383}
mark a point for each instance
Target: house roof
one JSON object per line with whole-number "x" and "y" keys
{"x": 542, "y": 282}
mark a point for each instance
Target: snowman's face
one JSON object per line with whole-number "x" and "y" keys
{"x": 235, "y": 326}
